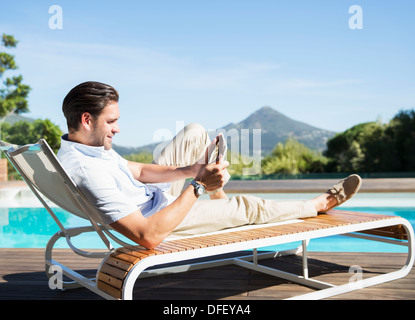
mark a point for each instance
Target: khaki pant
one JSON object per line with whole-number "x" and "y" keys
{"x": 212, "y": 215}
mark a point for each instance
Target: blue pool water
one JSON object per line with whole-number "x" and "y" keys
{"x": 31, "y": 227}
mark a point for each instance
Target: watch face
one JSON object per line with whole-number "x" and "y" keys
{"x": 200, "y": 190}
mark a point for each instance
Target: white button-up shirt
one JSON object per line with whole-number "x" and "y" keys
{"x": 104, "y": 177}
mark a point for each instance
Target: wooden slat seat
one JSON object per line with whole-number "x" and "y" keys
{"x": 115, "y": 268}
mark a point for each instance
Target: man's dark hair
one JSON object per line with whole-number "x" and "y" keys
{"x": 91, "y": 97}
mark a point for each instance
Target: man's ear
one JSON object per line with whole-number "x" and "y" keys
{"x": 86, "y": 120}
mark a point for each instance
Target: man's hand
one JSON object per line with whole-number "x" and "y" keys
{"x": 204, "y": 160}
{"x": 212, "y": 175}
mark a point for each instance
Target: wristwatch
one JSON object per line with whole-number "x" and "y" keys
{"x": 199, "y": 189}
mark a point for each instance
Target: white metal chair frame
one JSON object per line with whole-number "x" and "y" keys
{"x": 41, "y": 148}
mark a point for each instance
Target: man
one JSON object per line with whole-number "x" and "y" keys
{"x": 126, "y": 193}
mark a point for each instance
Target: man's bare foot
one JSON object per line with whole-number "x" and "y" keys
{"x": 324, "y": 202}
{"x": 338, "y": 194}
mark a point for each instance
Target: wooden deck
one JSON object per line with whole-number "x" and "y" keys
{"x": 22, "y": 277}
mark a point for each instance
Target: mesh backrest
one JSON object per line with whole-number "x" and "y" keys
{"x": 48, "y": 181}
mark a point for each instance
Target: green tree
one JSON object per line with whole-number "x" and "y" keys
{"x": 400, "y": 135}
{"x": 24, "y": 132}
{"x": 375, "y": 147}
{"x": 142, "y": 157}
{"x": 355, "y": 149}
{"x": 13, "y": 93}
{"x": 293, "y": 157}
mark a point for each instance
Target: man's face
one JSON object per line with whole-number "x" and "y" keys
{"x": 105, "y": 126}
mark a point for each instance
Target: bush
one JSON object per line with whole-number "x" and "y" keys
{"x": 293, "y": 157}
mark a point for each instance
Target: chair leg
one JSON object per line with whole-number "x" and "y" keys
{"x": 54, "y": 271}
{"x": 305, "y": 263}
{"x": 55, "y": 278}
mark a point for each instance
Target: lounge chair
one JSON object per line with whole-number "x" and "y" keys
{"x": 122, "y": 266}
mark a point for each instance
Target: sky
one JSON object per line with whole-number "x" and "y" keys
{"x": 214, "y": 62}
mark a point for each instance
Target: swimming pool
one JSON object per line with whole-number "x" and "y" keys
{"x": 25, "y": 224}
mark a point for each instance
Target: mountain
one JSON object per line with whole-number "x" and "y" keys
{"x": 13, "y": 118}
{"x": 123, "y": 151}
{"x": 275, "y": 127}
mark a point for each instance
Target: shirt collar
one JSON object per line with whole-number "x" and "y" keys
{"x": 96, "y": 152}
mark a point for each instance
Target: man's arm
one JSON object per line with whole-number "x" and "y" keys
{"x": 154, "y": 173}
{"x": 150, "y": 231}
